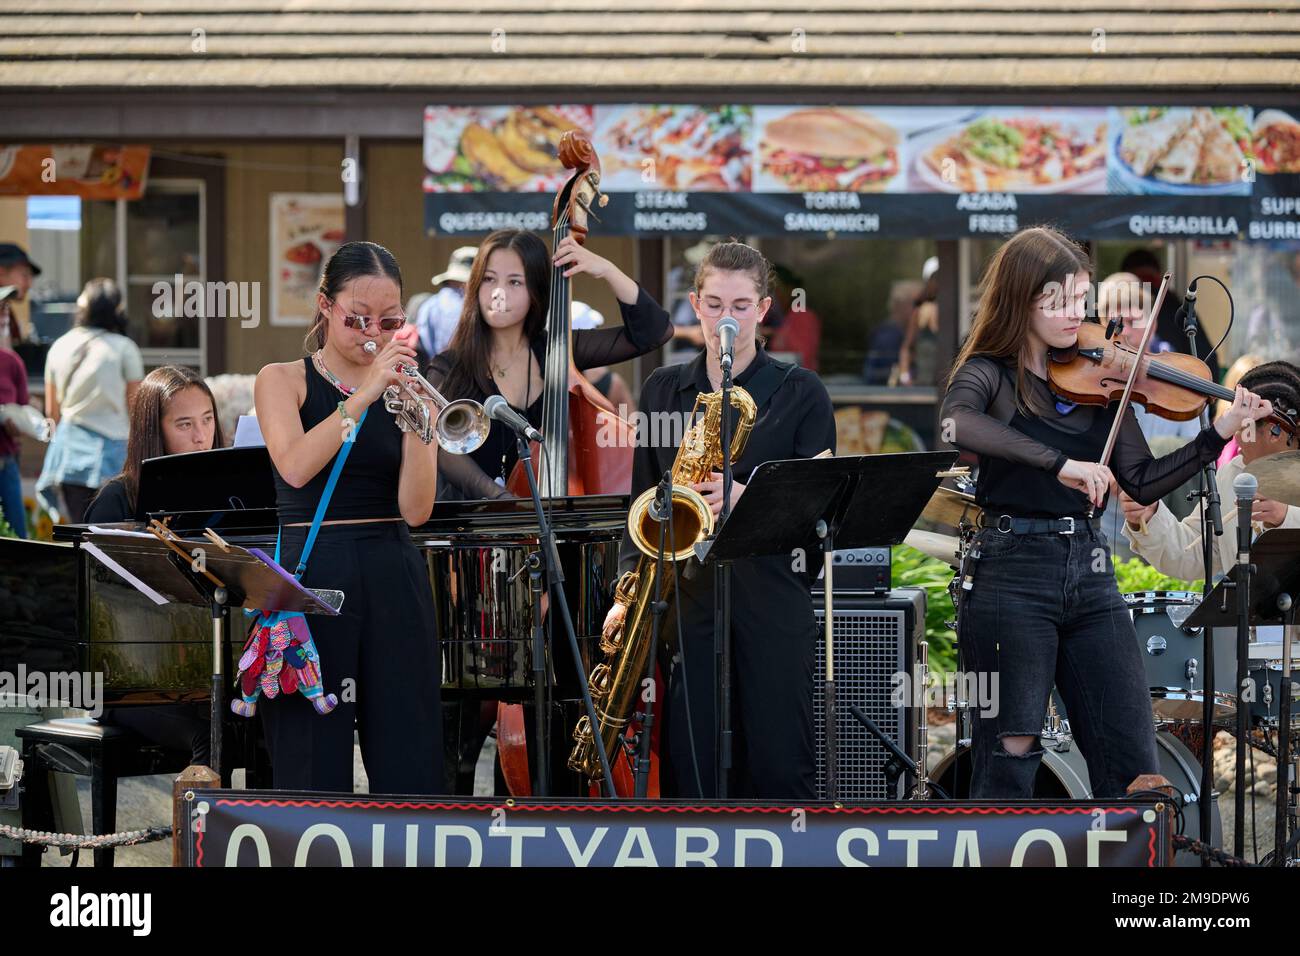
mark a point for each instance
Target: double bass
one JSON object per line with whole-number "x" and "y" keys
{"x": 586, "y": 446}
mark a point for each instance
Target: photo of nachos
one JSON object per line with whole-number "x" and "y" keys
{"x": 1017, "y": 153}
{"x": 697, "y": 148}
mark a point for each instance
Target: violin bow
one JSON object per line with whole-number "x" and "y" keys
{"x": 1125, "y": 399}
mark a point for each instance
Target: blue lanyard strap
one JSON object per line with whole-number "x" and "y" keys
{"x": 324, "y": 501}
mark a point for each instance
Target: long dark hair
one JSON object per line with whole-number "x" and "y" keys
{"x": 352, "y": 260}
{"x": 103, "y": 307}
{"x": 471, "y": 346}
{"x": 146, "y": 437}
{"x": 1017, "y": 275}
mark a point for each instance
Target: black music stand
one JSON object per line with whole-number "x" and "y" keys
{"x": 817, "y": 504}
{"x": 1272, "y": 598}
{"x": 219, "y": 479}
{"x": 249, "y": 578}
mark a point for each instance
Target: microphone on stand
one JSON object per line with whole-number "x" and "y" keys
{"x": 1187, "y": 311}
{"x": 1244, "y": 486}
{"x": 728, "y": 329}
{"x": 499, "y": 409}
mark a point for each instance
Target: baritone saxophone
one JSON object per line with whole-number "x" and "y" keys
{"x": 614, "y": 683}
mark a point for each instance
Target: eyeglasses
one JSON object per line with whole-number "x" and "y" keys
{"x": 715, "y": 309}
{"x": 387, "y": 323}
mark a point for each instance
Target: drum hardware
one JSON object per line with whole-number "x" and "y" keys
{"x": 1171, "y": 656}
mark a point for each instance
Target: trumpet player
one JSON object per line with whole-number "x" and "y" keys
{"x": 379, "y": 657}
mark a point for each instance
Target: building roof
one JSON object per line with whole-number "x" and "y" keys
{"x": 674, "y": 48}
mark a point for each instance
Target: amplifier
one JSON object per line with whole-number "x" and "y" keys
{"x": 860, "y": 570}
{"x": 875, "y": 638}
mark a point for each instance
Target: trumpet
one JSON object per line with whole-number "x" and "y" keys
{"x": 460, "y": 426}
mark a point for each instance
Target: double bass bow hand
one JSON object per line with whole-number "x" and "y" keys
{"x": 1246, "y": 407}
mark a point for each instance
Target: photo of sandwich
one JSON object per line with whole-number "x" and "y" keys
{"x": 1017, "y": 153}
{"x": 505, "y": 149}
{"x": 1182, "y": 149}
{"x": 828, "y": 150}
{"x": 1276, "y": 142}
{"x": 674, "y": 146}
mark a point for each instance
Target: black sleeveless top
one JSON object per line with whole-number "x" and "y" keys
{"x": 367, "y": 487}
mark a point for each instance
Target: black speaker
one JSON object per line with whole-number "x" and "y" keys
{"x": 875, "y": 638}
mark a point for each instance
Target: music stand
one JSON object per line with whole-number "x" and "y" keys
{"x": 248, "y": 578}
{"x": 216, "y": 480}
{"x": 817, "y": 504}
{"x": 1272, "y": 598}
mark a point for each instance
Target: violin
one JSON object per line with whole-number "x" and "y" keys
{"x": 1172, "y": 385}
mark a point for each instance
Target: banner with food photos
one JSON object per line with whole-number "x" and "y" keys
{"x": 1230, "y": 172}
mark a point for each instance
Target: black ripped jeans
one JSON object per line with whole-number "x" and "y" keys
{"x": 1045, "y": 610}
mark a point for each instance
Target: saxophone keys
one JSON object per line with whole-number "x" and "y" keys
{"x": 601, "y": 677}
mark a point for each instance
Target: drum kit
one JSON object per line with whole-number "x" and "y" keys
{"x": 1171, "y": 653}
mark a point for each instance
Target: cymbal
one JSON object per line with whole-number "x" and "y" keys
{"x": 943, "y": 547}
{"x": 1279, "y": 477}
{"x": 948, "y": 507}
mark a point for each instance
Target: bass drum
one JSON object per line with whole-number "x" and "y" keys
{"x": 1063, "y": 775}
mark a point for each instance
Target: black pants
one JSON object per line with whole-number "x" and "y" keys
{"x": 379, "y": 657}
{"x": 1044, "y": 611}
{"x": 772, "y": 703}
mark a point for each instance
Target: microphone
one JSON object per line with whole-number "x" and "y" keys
{"x": 499, "y": 409}
{"x": 728, "y": 329}
{"x": 1244, "y": 486}
{"x": 1187, "y": 311}
{"x": 662, "y": 505}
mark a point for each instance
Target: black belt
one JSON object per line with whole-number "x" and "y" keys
{"x": 1011, "y": 525}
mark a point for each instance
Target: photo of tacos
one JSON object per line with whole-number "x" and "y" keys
{"x": 1182, "y": 149}
{"x": 1017, "y": 153}
{"x": 828, "y": 150}
{"x": 698, "y": 148}
{"x": 497, "y": 149}
{"x": 1276, "y": 142}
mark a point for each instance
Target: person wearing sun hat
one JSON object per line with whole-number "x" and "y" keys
{"x": 439, "y": 314}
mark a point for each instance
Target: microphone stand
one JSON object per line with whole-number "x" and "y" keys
{"x": 555, "y": 583}
{"x": 1211, "y": 528}
{"x": 1245, "y": 492}
{"x": 664, "y": 515}
{"x": 722, "y": 601}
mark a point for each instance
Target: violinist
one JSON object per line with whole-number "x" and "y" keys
{"x": 500, "y": 344}
{"x": 1044, "y": 608}
{"x": 1170, "y": 546}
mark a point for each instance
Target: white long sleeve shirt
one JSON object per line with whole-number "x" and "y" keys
{"x": 1173, "y": 547}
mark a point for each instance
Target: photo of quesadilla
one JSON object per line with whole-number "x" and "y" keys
{"x": 1276, "y": 141}
{"x": 1188, "y": 147}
